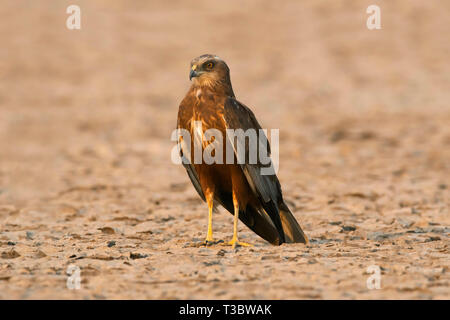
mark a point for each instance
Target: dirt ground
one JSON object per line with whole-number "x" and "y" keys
{"x": 85, "y": 172}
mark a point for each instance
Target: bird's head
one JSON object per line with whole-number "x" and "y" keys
{"x": 209, "y": 70}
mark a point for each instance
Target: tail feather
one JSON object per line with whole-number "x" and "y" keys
{"x": 292, "y": 231}
{"x": 260, "y": 224}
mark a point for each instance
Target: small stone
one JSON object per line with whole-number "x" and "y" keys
{"x": 221, "y": 252}
{"x": 40, "y": 254}
{"x": 137, "y": 255}
{"x": 417, "y": 230}
{"x": 212, "y": 263}
{"x": 348, "y": 228}
{"x": 12, "y": 254}
{"x": 111, "y": 243}
{"x": 432, "y": 239}
{"x": 405, "y": 223}
{"x": 107, "y": 230}
{"x": 379, "y": 236}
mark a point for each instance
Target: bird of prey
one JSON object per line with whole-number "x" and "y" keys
{"x": 240, "y": 188}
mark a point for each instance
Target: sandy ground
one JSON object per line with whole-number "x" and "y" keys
{"x": 85, "y": 171}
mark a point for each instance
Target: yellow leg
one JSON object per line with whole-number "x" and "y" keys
{"x": 234, "y": 241}
{"x": 209, "y": 236}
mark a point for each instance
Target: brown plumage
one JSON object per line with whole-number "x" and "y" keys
{"x": 253, "y": 198}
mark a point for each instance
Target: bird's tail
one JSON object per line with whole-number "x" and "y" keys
{"x": 293, "y": 233}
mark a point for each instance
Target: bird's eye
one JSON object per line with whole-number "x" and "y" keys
{"x": 209, "y": 65}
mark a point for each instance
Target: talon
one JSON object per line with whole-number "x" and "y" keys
{"x": 235, "y": 243}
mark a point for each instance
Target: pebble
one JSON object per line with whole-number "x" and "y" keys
{"x": 111, "y": 243}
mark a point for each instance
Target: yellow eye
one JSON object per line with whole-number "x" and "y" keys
{"x": 209, "y": 65}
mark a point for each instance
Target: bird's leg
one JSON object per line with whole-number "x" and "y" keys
{"x": 209, "y": 236}
{"x": 234, "y": 241}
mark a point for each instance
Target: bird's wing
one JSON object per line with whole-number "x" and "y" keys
{"x": 182, "y": 123}
{"x": 193, "y": 176}
{"x": 266, "y": 187}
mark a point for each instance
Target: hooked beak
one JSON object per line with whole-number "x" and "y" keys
{"x": 193, "y": 74}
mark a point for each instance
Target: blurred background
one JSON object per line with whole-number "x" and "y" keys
{"x": 86, "y": 115}
{"x": 114, "y": 86}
